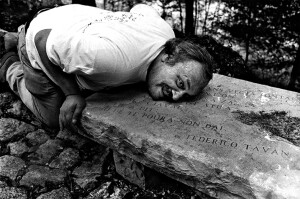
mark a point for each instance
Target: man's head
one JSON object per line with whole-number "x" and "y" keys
{"x": 182, "y": 69}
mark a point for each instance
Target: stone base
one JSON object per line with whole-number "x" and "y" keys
{"x": 129, "y": 169}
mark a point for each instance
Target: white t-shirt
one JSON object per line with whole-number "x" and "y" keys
{"x": 104, "y": 49}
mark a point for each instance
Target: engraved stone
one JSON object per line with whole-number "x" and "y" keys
{"x": 236, "y": 140}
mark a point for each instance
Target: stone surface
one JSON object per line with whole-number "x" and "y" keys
{"x": 18, "y": 148}
{"x": 16, "y": 109}
{"x": 6, "y": 99}
{"x": 220, "y": 143}
{"x": 62, "y": 193}
{"x": 87, "y": 173}
{"x": 66, "y": 159}
{"x": 39, "y": 175}
{"x": 10, "y": 128}
{"x": 108, "y": 190}
{"x": 72, "y": 139}
{"x": 10, "y": 166}
{"x": 131, "y": 170}
{"x": 37, "y": 137}
{"x": 12, "y": 193}
{"x": 46, "y": 152}
{"x": 3, "y": 184}
{"x": 100, "y": 192}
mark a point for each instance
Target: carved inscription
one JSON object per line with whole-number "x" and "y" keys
{"x": 218, "y": 142}
{"x": 147, "y": 113}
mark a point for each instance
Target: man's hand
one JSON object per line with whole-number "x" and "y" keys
{"x": 71, "y": 110}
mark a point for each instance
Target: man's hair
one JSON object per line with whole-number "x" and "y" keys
{"x": 189, "y": 48}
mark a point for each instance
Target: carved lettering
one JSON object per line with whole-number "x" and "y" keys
{"x": 247, "y": 146}
{"x": 233, "y": 144}
{"x": 226, "y": 143}
{"x": 265, "y": 150}
{"x": 202, "y": 139}
{"x": 223, "y": 142}
{"x": 170, "y": 120}
{"x": 275, "y": 152}
{"x": 284, "y": 154}
{"x": 255, "y": 149}
{"x": 208, "y": 140}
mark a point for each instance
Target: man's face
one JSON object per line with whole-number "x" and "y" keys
{"x": 172, "y": 83}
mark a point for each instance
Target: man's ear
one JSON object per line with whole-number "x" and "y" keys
{"x": 166, "y": 58}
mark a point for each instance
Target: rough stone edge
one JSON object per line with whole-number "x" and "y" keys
{"x": 116, "y": 139}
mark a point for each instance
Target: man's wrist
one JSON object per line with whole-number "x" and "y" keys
{"x": 72, "y": 94}
{"x": 69, "y": 92}
{"x": 70, "y": 88}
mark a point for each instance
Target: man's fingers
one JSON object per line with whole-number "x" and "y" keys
{"x": 69, "y": 116}
{"x": 61, "y": 122}
{"x": 77, "y": 114}
{"x": 65, "y": 116}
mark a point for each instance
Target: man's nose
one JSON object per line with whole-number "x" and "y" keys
{"x": 177, "y": 94}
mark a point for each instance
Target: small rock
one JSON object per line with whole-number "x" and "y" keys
{"x": 62, "y": 193}
{"x": 73, "y": 139}
{"x": 10, "y": 166}
{"x": 87, "y": 173}
{"x": 37, "y": 137}
{"x": 9, "y": 128}
{"x": 6, "y": 98}
{"x": 67, "y": 159}
{"x": 19, "y": 110}
{"x": 16, "y": 108}
{"x": 39, "y": 175}
{"x": 12, "y": 193}
{"x": 45, "y": 152}
{"x": 101, "y": 192}
{"x": 18, "y": 148}
{"x": 3, "y": 184}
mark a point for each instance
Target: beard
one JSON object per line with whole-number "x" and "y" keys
{"x": 153, "y": 81}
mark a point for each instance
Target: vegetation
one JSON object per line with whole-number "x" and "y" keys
{"x": 256, "y": 40}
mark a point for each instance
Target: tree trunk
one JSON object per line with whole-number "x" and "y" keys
{"x": 215, "y": 16}
{"x": 196, "y": 16}
{"x": 249, "y": 35}
{"x": 206, "y": 15}
{"x": 189, "y": 19}
{"x": 181, "y": 18}
{"x": 296, "y": 71}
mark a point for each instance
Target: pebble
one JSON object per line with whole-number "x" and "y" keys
{"x": 10, "y": 166}
{"x": 12, "y": 193}
{"x": 62, "y": 193}
{"x": 10, "y": 128}
{"x": 46, "y": 151}
{"x": 66, "y": 159}
{"x": 18, "y": 148}
{"x": 39, "y": 175}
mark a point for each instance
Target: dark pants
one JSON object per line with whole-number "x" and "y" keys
{"x": 35, "y": 89}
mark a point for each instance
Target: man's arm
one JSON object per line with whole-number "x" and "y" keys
{"x": 74, "y": 103}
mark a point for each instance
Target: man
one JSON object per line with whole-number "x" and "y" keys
{"x": 75, "y": 48}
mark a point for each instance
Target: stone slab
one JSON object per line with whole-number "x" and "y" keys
{"x": 236, "y": 140}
